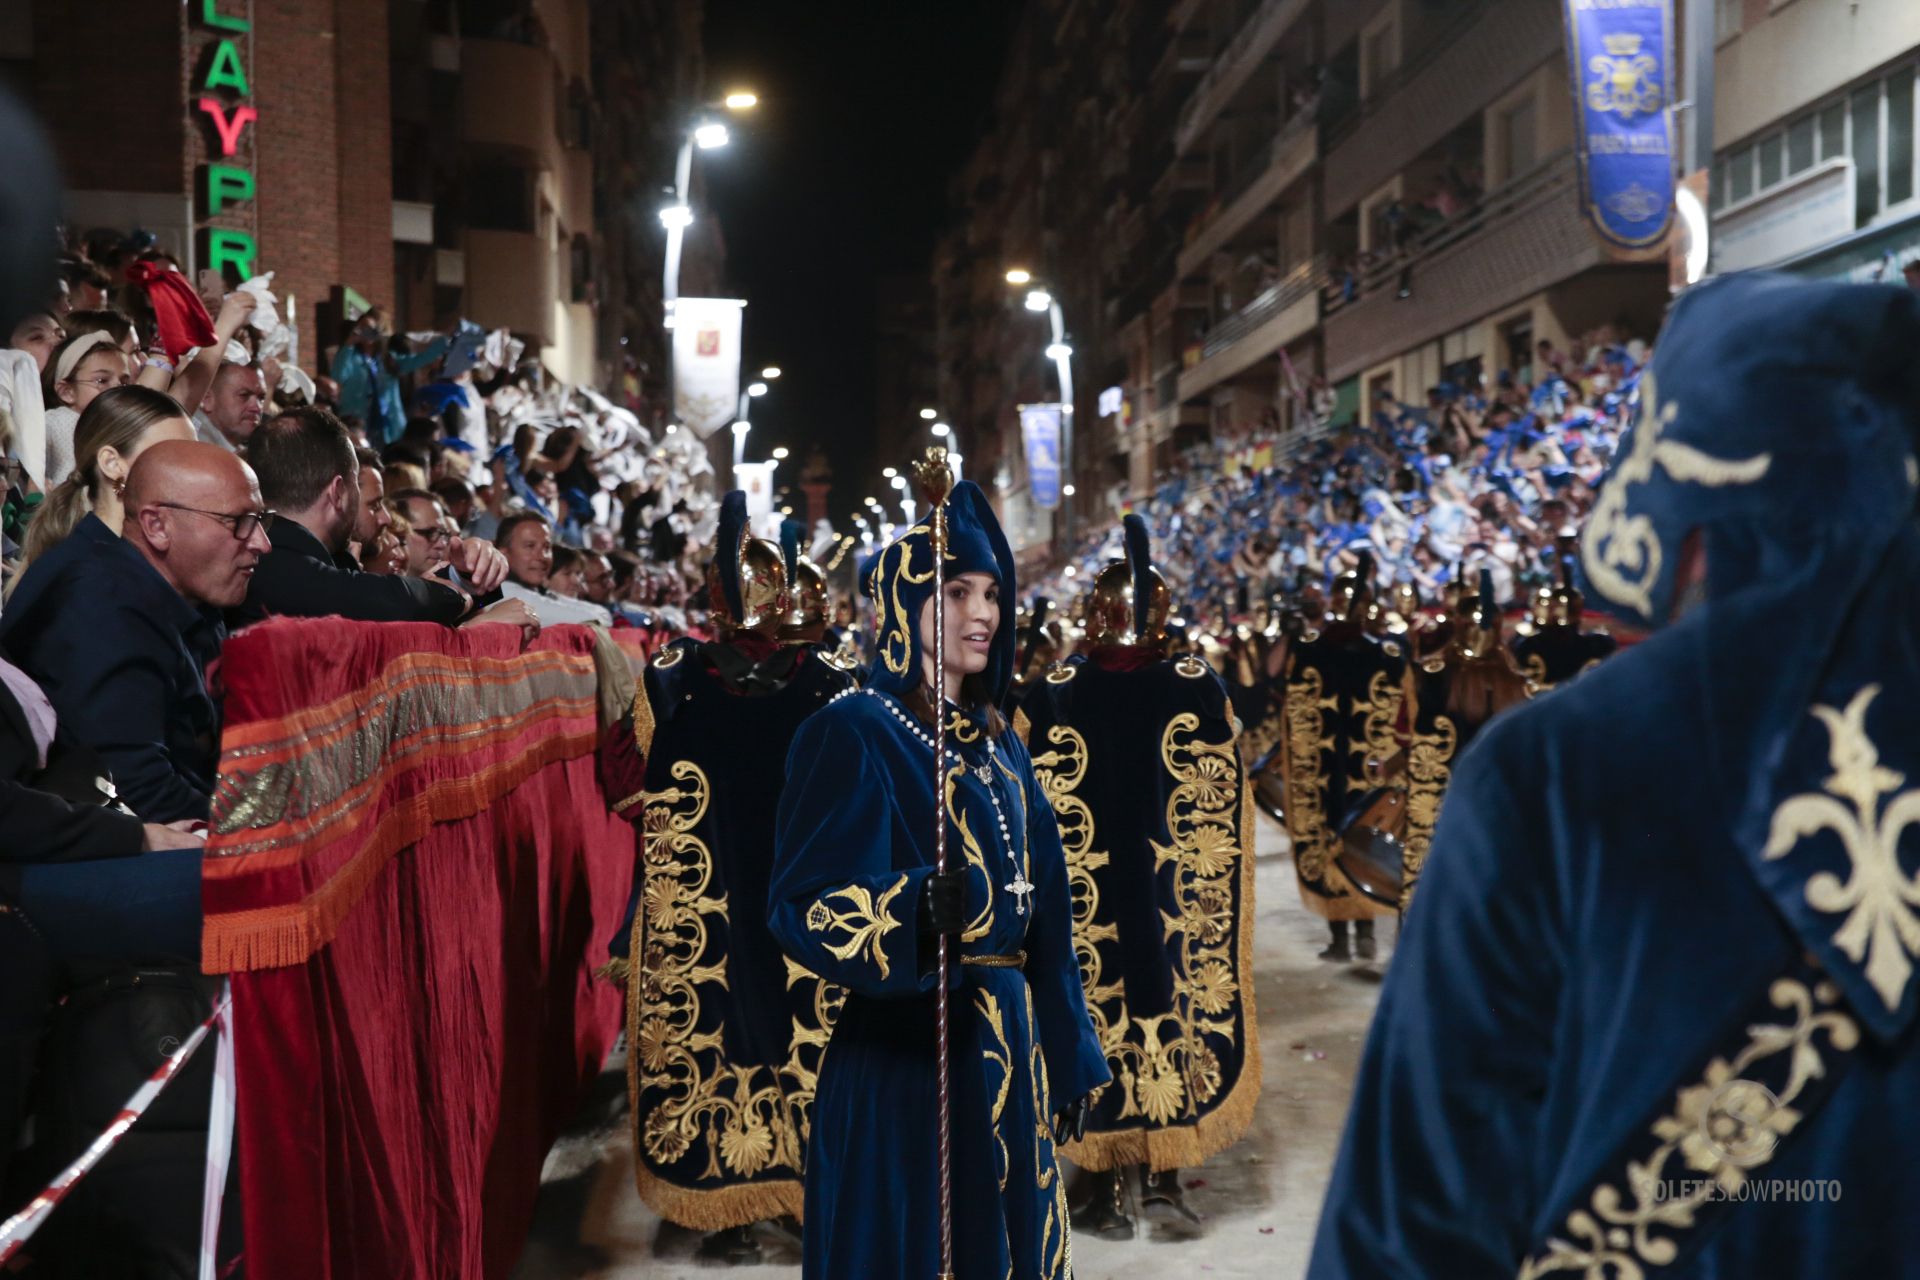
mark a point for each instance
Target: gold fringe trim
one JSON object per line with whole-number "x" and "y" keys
{"x": 614, "y": 970}
{"x": 1185, "y": 1146}
{"x": 289, "y": 934}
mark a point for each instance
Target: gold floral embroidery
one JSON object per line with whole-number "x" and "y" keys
{"x": 1621, "y": 552}
{"x": 1058, "y": 1260}
{"x": 750, "y": 1120}
{"x": 1878, "y": 896}
{"x": 1429, "y": 770}
{"x": 1379, "y": 718}
{"x": 867, "y": 921}
{"x": 1060, "y": 772}
{"x": 1723, "y": 1127}
{"x": 1307, "y": 737}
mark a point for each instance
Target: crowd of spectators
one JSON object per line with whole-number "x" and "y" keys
{"x": 1480, "y": 475}
{"x": 173, "y": 473}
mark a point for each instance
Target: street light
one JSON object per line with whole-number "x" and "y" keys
{"x": 711, "y": 135}
{"x": 676, "y": 217}
{"x": 780, "y": 454}
{"x": 888, "y": 472}
{"x": 757, "y": 389}
{"x": 1038, "y": 300}
{"x": 771, "y": 373}
{"x": 941, "y": 429}
{"x": 898, "y": 482}
{"x": 706, "y": 134}
{"x": 742, "y": 100}
{"x": 1058, "y": 351}
{"x": 1019, "y": 275}
{"x": 928, "y": 415}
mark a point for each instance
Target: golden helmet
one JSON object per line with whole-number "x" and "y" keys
{"x": 806, "y": 618}
{"x": 747, "y": 579}
{"x": 1477, "y": 633}
{"x": 1130, "y": 602}
{"x": 1352, "y": 592}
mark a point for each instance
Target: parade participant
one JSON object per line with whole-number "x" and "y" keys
{"x": 805, "y": 622}
{"x": 1341, "y": 700}
{"x": 726, "y": 1037}
{"x": 1038, "y": 648}
{"x": 1559, "y": 649}
{"x": 1138, "y": 754}
{"x": 1452, "y": 695}
{"x": 1661, "y": 965}
{"x": 856, "y": 899}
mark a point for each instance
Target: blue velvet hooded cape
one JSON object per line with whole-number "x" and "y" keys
{"x": 855, "y": 844}
{"x": 1663, "y": 950}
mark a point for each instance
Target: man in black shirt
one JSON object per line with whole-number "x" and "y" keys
{"x": 309, "y": 474}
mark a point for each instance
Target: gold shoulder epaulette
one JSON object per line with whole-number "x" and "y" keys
{"x": 668, "y": 658}
{"x": 1060, "y": 673}
{"x": 1191, "y": 667}
{"x": 838, "y": 661}
{"x": 1433, "y": 666}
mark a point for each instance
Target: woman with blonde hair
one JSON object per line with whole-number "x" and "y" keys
{"x": 116, "y": 426}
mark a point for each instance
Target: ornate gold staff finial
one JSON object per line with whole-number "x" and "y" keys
{"x": 933, "y": 475}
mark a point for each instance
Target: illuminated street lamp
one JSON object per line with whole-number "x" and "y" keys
{"x": 942, "y": 430}
{"x": 1019, "y": 275}
{"x": 771, "y": 373}
{"x": 780, "y": 454}
{"x": 928, "y": 415}
{"x": 888, "y": 472}
{"x": 756, "y": 389}
{"x": 1039, "y": 301}
{"x": 707, "y": 135}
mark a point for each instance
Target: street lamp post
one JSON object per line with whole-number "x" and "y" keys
{"x": 1040, "y": 300}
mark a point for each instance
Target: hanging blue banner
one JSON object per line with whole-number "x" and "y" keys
{"x": 1040, "y": 430}
{"x": 1620, "y": 63}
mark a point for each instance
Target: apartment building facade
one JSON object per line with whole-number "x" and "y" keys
{"x": 1257, "y": 206}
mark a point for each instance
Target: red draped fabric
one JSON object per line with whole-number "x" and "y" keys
{"x": 412, "y": 875}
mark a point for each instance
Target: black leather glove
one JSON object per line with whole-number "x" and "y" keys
{"x": 943, "y": 904}
{"x": 1070, "y": 1124}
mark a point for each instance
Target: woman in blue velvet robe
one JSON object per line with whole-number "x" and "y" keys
{"x": 855, "y": 852}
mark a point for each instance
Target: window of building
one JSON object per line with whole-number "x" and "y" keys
{"x": 1873, "y": 125}
{"x": 1800, "y": 145}
{"x": 1865, "y": 146}
{"x": 1900, "y": 136}
{"x": 1772, "y": 154}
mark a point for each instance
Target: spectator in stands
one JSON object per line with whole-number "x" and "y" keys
{"x": 82, "y": 367}
{"x": 87, "y": 285}
{"x": 38, "y": 334}
{"x": 368, "y": 374}
{"x": 374, "y": 514}
{"x": 233, "y": 407}
{"x": 308, "y": 470}
{"x": 527, "y": 540}
{"x": 564, "y": 578}
{"x": 427, "y": 534}
{"x": 120, "y": 636}
{"x": 117, "y": 427}
{"x": 456, "y": 497}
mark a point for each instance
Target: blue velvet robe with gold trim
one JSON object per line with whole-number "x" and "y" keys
{"x": 855, "y": 846}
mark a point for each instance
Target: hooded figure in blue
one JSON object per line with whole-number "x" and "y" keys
{"x": 855, "y": 899}
{"x": 1653, "y": 1012}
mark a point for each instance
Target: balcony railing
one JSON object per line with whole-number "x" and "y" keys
{"x": 1496, "y": 207}
{"x": 1250, "y": 45}
{"x": 1301, "y": 282}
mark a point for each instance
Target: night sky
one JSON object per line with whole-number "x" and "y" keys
{"x": 868, "y": 108}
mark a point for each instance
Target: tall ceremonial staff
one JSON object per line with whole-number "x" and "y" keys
{"x": 935, "y": 480}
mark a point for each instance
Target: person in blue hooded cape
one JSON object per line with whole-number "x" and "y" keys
{"x": 855, "y": 899}
{"x": 1652, "y": 1012}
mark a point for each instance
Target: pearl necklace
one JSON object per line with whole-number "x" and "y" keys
{"x": 1018, "y": 886}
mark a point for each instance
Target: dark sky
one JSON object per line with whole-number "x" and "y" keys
{"x": 868, "y": 107}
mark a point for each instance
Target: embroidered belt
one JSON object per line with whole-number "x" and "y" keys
{"x": 1017, "y": 960}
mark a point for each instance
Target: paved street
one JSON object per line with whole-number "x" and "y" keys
{"x": 1261, "y": 1197}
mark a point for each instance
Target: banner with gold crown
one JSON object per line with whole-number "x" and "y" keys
{"x": 1620, "y": 64}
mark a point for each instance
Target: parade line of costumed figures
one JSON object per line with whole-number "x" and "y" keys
{"x": 1104, "y": 774}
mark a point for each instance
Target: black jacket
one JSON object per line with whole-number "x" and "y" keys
{"x": 299, "y": 578}
{"x": 123, "y": 658}
{"x": 40, "y": 826}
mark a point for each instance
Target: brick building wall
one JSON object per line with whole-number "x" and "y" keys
{"x": 115, "y": 108}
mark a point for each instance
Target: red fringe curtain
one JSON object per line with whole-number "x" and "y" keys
{"x": 411, "y": 875}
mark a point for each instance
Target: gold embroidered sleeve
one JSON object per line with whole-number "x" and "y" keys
{"x": 855, "y": 931}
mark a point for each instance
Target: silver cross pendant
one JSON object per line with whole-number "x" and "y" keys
{"x": 1020, "y": 889}
{"x": 983, "y": 773}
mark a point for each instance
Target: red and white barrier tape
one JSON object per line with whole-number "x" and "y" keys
{"x": 18, "y": 1229}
